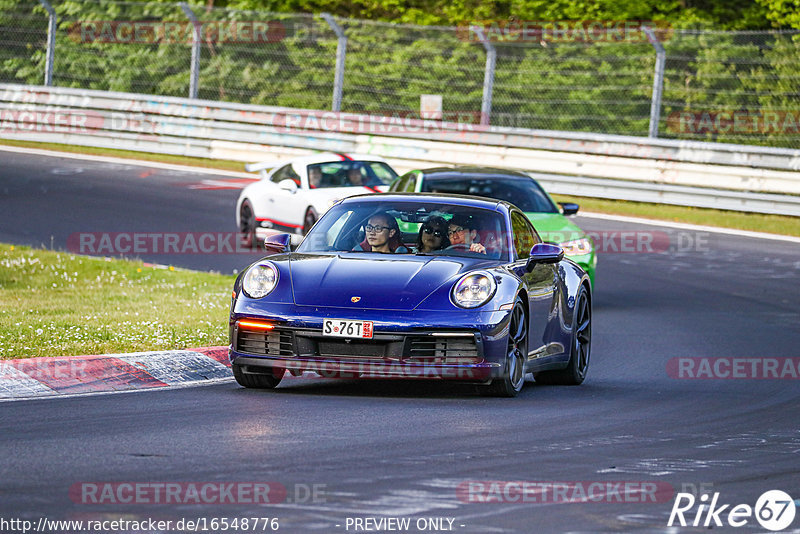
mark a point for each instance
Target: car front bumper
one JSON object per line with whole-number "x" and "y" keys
{"x": 465, "y": 346}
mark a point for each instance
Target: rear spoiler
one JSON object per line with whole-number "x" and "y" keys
{"x": 262, "y": 167}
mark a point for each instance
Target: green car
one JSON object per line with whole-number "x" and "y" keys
{"x": 515, "y": 187}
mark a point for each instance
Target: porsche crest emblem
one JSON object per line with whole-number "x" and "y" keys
{"x": 355, "y": 299}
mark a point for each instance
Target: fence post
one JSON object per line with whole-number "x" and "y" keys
{"x": 341, "y": 50}
{"x": 658, "y": 81}
{"x": 194, "y": 77}
{"x": 51, "y": 42}
{"x": 488, "y": 75}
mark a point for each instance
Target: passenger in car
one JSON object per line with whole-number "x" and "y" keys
{"x": 432, "y": 235}
{"x": 354, "y": 176}
{"x": 382, "y": 235}
{"x": 461, "y": 232}
{"x": 314, "y": 177}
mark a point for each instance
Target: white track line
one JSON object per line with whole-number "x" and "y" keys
{"x": 124, "y": 161}
{"x": 695, "y": 227}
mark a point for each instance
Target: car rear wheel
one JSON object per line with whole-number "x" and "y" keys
{"x": 266, "y": 378}
{"x": 580, "y": 348}
{"x": 247, "y": 225}
{"x": 513, "y": 377}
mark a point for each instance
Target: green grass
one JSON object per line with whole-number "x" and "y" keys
{"x": 61, "y": 304}
{"x": 223, "y": 164}
{"x": 755, "y": 222}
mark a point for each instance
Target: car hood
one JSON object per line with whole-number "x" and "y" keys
{"x": 554, "y": 227}
{"x": 387, "y": 283}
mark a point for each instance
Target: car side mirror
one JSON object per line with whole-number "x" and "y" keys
{"x": 278, "y": 243}
{"x": 568, "y": 208}
{"x": 544, "y": 253}
{"x": 288, "y": 185}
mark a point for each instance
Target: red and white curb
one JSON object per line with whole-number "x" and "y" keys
{"x": 81, "y": 375}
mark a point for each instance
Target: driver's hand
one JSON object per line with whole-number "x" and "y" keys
{"x": 477, "y": 247}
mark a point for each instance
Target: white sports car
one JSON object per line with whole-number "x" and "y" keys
{"x": 292, "y": 195}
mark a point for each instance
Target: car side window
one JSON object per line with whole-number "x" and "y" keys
{"x": 524, "y": 234}
{"x": 406, "y": 183}
{"x": 285, "y": 173}
{"x": 382, "y": 171}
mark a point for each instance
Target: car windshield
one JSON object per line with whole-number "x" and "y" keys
{"x": 349, "y": 173}
{"x": 418, "y": 228}
{"x": 526, "y": 194}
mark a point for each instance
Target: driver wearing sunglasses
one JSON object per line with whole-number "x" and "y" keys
{"x": 432, "y": 235}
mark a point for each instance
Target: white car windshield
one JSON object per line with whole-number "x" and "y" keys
{"x": 350, "y": 173}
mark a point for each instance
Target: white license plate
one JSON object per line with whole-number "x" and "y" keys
{"x": 343, "y": 328}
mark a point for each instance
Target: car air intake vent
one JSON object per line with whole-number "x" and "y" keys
{"x": 353, "y": 349}
{"x": 442, "y": 348}
{"x": 269, "y": 343}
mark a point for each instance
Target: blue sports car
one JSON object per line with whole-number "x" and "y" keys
{"x": 465, "y": 291}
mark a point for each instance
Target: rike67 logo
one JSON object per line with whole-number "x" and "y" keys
{"x": 774, "y": 510}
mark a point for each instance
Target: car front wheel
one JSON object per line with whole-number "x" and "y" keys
{"x": 266, "y": 378}
{"x": 513, "y": 377}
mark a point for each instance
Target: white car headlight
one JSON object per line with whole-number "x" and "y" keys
{"x": 260, "y": 280}
{"x": 474, "y": 289}
{"x": 577, "y": 247}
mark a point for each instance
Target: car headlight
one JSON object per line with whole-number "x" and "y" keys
{"x": 260, "y": 280}
{"x": 474, "y": 289}
{"x": 577, "y": 247}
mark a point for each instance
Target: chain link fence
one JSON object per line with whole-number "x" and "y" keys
{"x": 740, "y": 87}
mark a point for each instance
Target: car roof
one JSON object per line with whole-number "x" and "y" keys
{"x": 471, "y": 172}
{"x": 326, "y": 157}
{"x": 456, "y": 200}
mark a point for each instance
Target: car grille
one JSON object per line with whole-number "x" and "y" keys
{"x": 309, "y": 344}
{"x": 354, "y": 349}
{"x": 270, "y": 343}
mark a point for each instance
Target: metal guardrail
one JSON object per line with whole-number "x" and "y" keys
{"x": 736, "y": 177}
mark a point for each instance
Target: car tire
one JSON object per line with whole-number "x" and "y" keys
{"x": 513, "y": 377}
{"x": 309, "y": 220}
{"x": 247, "y": 225}
{"x": 267, "y": 380}
{"x": 580, "y": 347}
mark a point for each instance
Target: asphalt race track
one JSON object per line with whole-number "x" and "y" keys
{"x": 392, "y": 449}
